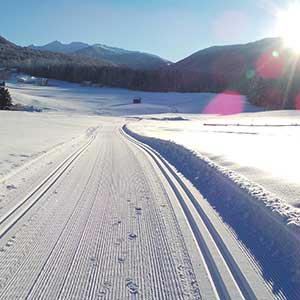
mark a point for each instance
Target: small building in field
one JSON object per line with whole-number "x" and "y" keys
{"x": 98, "y": 85}
{"x": 137, "y": 100}
{"x": 86, "y": 83}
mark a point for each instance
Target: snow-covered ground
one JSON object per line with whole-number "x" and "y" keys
{"x": 263, "y": 209}
{"x": 26, "y": 136}
{"x": 251, "y": 146}
{"x": 69, "y": 109}
{"x": 264, "y": 146}
{"x": 73, "y": 98}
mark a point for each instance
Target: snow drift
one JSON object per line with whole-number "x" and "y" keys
{"x": 268, "y": 227}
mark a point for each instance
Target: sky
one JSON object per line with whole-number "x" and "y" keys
{"x": 172, "y": 29}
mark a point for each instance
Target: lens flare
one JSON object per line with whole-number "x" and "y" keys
{"x": 270, "y": 66}
{"x": 297, "y": 102}
{"x": 226, "y": 103}
{"x": 288, "y": 26}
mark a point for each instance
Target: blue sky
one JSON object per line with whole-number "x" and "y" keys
{"x": 172, "y": 29}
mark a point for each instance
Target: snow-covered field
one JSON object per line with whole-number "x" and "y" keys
{"x": 247, "y": 166}
{"x": 26, "y": 136}
{"x": 87, "y": 212}
{"x": 73, "y": 98}
{"x": 264, "y": 146}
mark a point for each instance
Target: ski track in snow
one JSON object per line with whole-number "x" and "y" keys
{"x": 93, "y": 213}
{"x": 267, "y": 226}
{"x": 115, "y": 223}
{"x": 102, "y": 230}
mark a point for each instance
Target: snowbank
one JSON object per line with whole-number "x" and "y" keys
{"x": 26, "y": 136}
{"x": 268, "y": 226}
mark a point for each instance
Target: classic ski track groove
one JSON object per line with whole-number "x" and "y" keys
{"x": 17, "y": 212}
{"x": 195, "y": 213}
{"x": 103, "y": 225}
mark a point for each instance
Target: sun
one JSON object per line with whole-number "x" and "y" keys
{"x": 289, "y": 26}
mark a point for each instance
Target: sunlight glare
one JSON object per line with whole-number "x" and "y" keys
{"x": 288, "y": 26}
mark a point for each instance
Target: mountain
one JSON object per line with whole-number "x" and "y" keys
{"x": 118, "y": 56}
{"x": 266, "y": 71}
{"x": 231, "y": 61}
{"x": 57, "y": 46}
{"x": 5, "y": 42}
{"x": 132, "y": 59}
{"x": 13, "y": 55}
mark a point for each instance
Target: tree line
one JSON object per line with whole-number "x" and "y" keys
{"x": 280, "y": 93}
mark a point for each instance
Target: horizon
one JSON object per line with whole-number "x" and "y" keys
{"x": 172, "y": 30}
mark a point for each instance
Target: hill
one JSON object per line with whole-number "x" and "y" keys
{"x": 264, "y": 70}
{"x": 13, "y": 55}
{"x": 116, "y": 56}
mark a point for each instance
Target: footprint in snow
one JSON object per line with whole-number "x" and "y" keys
{"x": 132, "y": 286}
{"x": 104, "y": 289}
{"x": 11, "y": 187}
{"x": 9, "y": 244}
{"x": 94, "y": 261}
{"x": 138, "y": 210}
{"x": 121, "y": 259}
{"x": 132, "y": 236}
{"x": 117, "y": 223}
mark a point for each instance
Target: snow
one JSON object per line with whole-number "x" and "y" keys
{"x": 249, "y": 160}
{"x": 267, "y": 225}
{"x": 86, "y": 238}
{"x": 25, "y": 136}
{"x": 73, "y": 98}
{"x": 263, "y": 146}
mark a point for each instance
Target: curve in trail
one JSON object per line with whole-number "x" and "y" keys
{"x": 116, "y": 221}
{"x": 104, "y": 229}
{"x": 249, "y": 284}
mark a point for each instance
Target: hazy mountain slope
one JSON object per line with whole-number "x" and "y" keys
{"x": 132, "y": 59}
{"x": 118, "y": 56}
{"x": 266, "y": 71}
{"x": 232, "y": 61}
{"x": 13, "y": 55}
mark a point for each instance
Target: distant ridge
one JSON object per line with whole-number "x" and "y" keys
{"x": 57, "y": 46}
{"x": 118, "y": 56}
{"x": 13, "y": 55}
